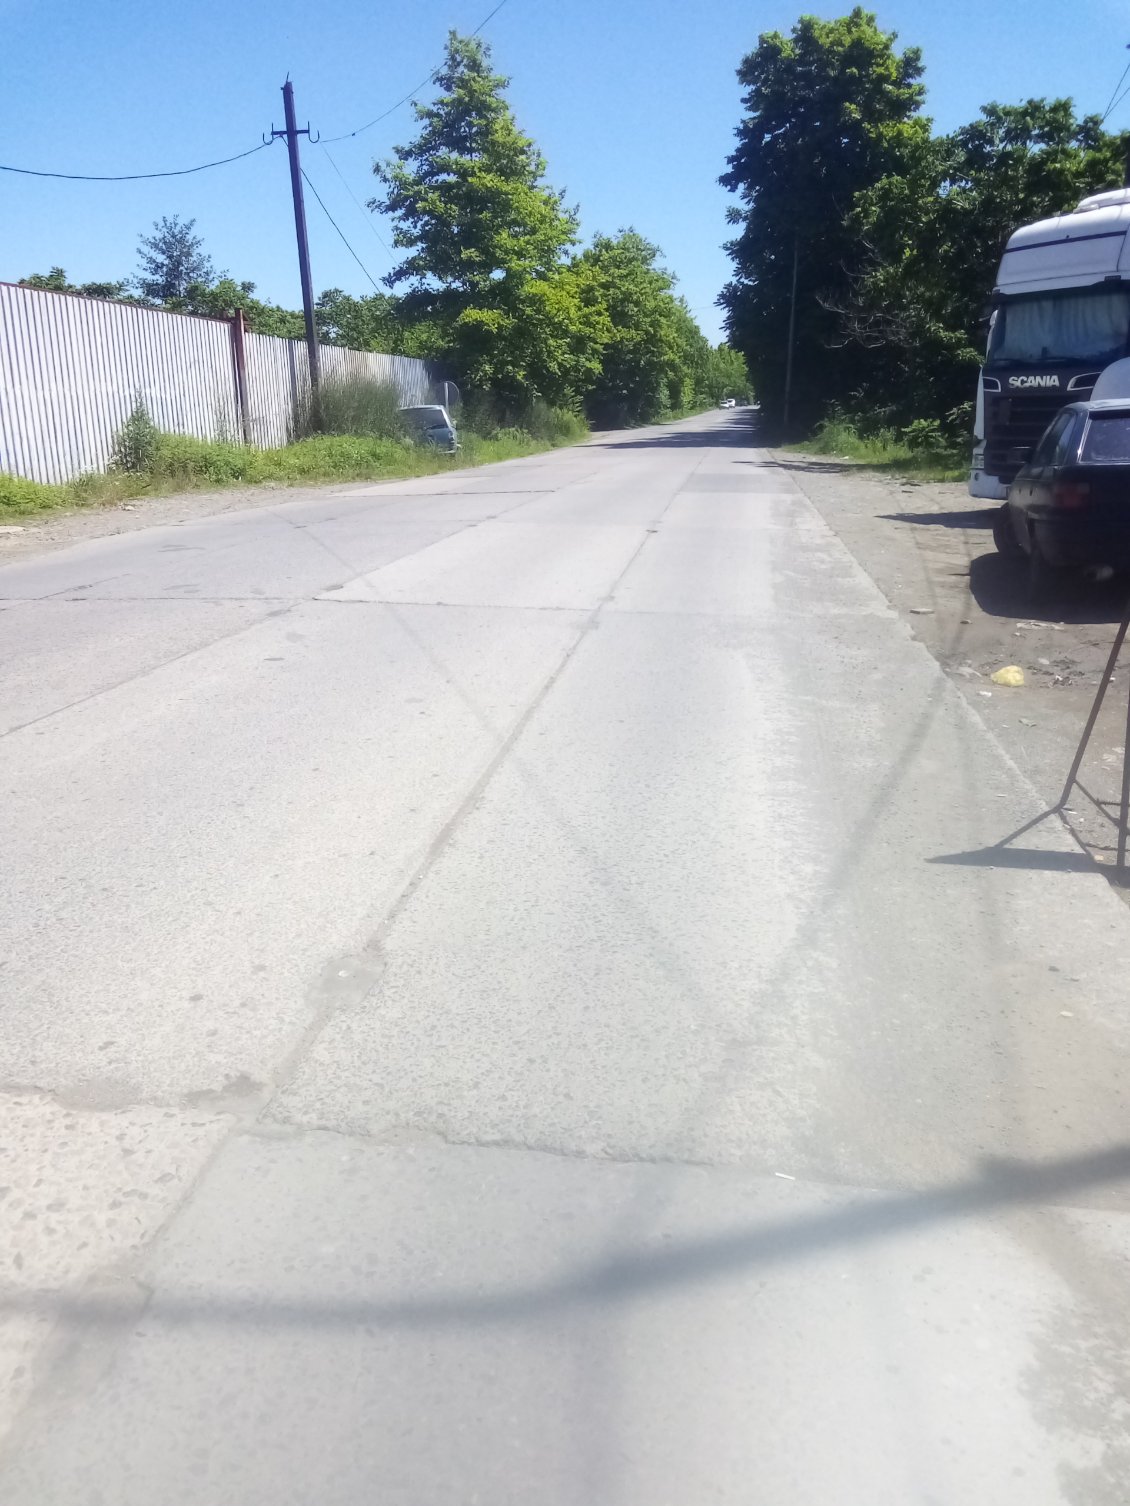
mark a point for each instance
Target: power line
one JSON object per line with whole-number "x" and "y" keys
{"x": 1115, "y": 98}
{"x": 361, "y": 209}
{"x": 340, "y": 232}
{"x": 1115, "y": 103}
{"x": 413, "y": 92}
{"x": 179, "y": 172}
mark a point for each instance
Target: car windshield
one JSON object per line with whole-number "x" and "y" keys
{"x": 1085, "y": 326}
{"x": 1107, "y": 441}
{"x": 426, "y": 418}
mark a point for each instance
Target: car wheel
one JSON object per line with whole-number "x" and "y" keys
{"x": 1003, "y": 535}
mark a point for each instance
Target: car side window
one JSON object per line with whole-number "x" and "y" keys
{"x": 1042, "y": 455}
{"x": 1068, "y": 441}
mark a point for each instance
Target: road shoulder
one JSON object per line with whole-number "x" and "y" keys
{"x": 928, "y": 547}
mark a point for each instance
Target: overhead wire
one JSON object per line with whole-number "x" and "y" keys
{"x": 1116, "y": 102}
{"x": 340, "y": 232}
{"x": 368, "y": 217}
{"x": 1115, "y": 98}
{"x": 179, "y": 172}
{"x": 184, "y": 172}
{"x": 424, "y": 82}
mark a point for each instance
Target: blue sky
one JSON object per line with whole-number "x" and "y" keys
{"x": 632, "y": 103}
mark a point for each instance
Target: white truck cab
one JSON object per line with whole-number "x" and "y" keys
{"x": 1061, "y": 314}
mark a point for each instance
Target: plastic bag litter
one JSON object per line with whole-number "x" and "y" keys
{"x": 1010, "y": 674}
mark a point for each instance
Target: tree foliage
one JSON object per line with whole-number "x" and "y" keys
{"x": 491, "y": 284}
{"x": 485, "y": 237}
{"x": 55, "y": 281}
{"x": 641, "y": 345}
{"x": 468, "y": 195}
{"x": 897, "y": 233}
{"x": 934, "y": 236}
{"x": 830, "y": 110}
{"x": 171, "y": 259}
{"x": 365, "y": 323}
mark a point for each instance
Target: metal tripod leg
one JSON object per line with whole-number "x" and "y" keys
{"x": 1096, "y": 707}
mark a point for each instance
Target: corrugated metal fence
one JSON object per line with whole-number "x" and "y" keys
{"x": 278, "y": 374}
{"x": 71, "y": 369}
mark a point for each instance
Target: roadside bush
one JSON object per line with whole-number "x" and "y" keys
{"x": 923, "y": 447}
{"x": 349, "y": 405}
{"x": 181, "y": 462}
{"x": 553, "y": 425}
{"x": 135, "y": 444}
{"x": 19, "y": 497}
{"x": 187, "y": 461}
{"x": 485, "y": 415}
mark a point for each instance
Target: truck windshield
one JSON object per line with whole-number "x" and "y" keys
{"x": 1053, "y": 329}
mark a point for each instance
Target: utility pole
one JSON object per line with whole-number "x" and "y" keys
{"x": 792, "y": 336}
{"x": 292, "y": 134}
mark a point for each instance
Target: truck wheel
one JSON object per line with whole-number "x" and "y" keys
{"x": 1003, "y": 535}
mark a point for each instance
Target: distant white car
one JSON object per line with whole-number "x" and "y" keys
{"x": 728, "y": 402}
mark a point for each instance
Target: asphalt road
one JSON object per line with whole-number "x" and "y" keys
{"x": 504, "y": 1002}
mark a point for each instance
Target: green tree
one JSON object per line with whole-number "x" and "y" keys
{"x": 726, "y": 376}
{"x": 934, "y": 235}
{"x": 171, "y": 260}
{"x": 219, "y": 300}
{"x": 829, "y": 111}
{"x": 365, "y": 323}
{"x": 641, "y": 351}
{"x": 484, "y": 235}
{"x": 55, "y": 281}
{"x": 544, "y": 340}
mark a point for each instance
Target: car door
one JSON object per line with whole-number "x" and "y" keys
{"x": 1033, "y": 483}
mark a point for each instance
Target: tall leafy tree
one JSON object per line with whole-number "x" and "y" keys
{"x": 468, "y": 195}
{"x": 642, "y": 345}
{"x": 365, "y": 323}
{"x": 480, "y": 227}
{"x": 171, "y": 260}
{"x": 933, "y": 237}
{"x": 830, "y": 110}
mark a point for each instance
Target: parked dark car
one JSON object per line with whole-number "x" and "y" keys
{"x": 430, "y": 423}
{"x": 1069, "y": 504}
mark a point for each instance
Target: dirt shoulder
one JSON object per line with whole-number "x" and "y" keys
{"x": 57, "y": 530}
{"x": 928, "y": 546}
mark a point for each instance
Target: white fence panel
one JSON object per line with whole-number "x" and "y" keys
{"x": 71, "y": 369}
{"x": 278, "y": 371}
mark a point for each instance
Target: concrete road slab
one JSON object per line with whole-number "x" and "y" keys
{"x": 645, "y": 1076}
{"x": 196, "y": 861}
{"x": 339, "y": 1322}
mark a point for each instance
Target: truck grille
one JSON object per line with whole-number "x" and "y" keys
{"x": 1014, "y": 423}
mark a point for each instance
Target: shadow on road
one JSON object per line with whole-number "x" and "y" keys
{"x": 971, "y": 517}
{"x": 1000, "y": 587}
{"x": 823, "y": 467}
{"x": 1023, "y": 857}
{"x": 741, "y": 430}
{"x": 868, "y": 1219}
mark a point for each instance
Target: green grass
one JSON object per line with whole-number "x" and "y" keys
{"x": 930, "y": 458}
{"x": 351, "y": 405}
{"x": 182, "y": 463}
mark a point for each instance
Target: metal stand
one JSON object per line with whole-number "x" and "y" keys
{"x": 1073, "y": 780}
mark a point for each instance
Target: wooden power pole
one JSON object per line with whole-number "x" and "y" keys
{"x": 292, "y": 134}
